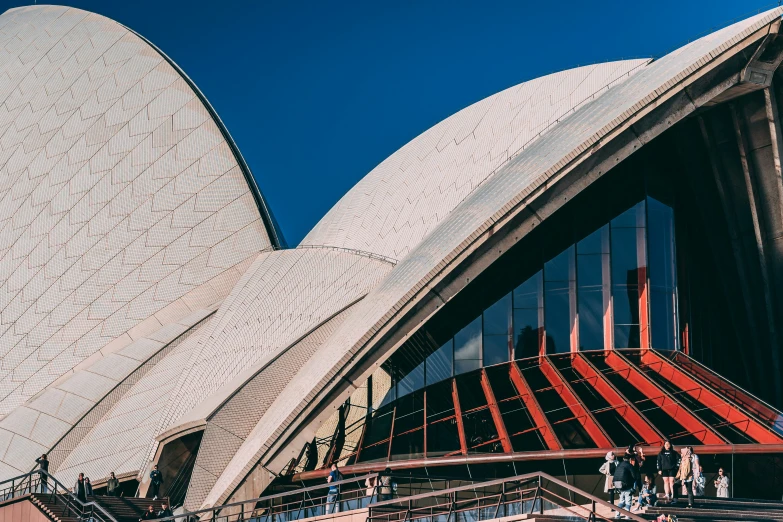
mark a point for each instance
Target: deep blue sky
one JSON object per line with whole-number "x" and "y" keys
{"x": 317, "y": 93}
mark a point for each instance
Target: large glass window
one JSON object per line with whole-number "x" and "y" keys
{"x": 592, "y": 260}
{"x": 467, "y": 348}
{"x": 497, "y": 332}
{"x": 560, "y": 301}
{"x": 663, "y": 295}
{"x": 603, "y": 291}
{"x": 528, "y": 317}
{"x": 629, "y": 274}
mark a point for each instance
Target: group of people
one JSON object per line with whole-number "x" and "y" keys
{"x": 379, "y": 487}
{"x": 151, "y": 514}
{"x": 681, "y": 472}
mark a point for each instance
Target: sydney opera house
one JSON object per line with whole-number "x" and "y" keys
{"x": 580, "y": 262}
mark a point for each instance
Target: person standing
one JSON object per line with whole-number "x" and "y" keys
{"x": 88, "y": 486}
{"x": 668, "y": 463}
{"x": 332, "y": 497}
{"x": 608, "y": 468}
{"x": 722, "y": 484}
{"x": 624, "y": 480}
{"x": 80, "y": 489}
{"x": 698, "y": 482}
{"x": 156, "y": 481}
{"x": 370, "y": 483}
{"x": 113, "y": 486}
{"x": 43, "y": 466}
{"x": 685, "y": 474}
{"x": 386, "y": 485}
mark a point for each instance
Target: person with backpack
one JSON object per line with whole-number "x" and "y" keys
{"x": 624, "y": 480}
{"x": 668, "y": 463}
{"x": 607, "y": 469}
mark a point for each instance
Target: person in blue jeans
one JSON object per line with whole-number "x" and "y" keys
{"x": 646, "y": 494}
{"x": 624, "y": 479}
{"x": 333, "y": 496}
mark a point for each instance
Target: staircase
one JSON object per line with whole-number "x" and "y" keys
{"x": 121, "y": 508}
{"x": 128, "y": 509}
{"x": 57, "y": 511}
{"x": 720, "y": 510}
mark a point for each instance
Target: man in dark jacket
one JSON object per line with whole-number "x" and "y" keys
{"x": 43, "y": 465}
{"x": 156, "y": 480}
{"x": 624, "y": 479}
{"x": 165, "y": 511}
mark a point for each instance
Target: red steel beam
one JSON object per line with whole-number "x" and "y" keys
{"x": 536, "y": 413}
{"x": 526, "y": 456}
{"x": 574, "y": 404}
{"x": 623, "y": 406}
{"x": 708, "y": 398}
{"x": 665, "y": 401}
{"x": 737, "y": 394}
{"x": 505, "y": 441}
{"x": 463, "y": 445}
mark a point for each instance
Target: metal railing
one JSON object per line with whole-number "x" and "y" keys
{"x": 322, "y": 499}
{"x": 54, "y": 494}
{"x": 533, "y": 493}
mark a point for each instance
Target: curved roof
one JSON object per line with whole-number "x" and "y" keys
{"x": 472, "y": 220}
{"x": 402, "y": 200}
{"x": 283, "y": 297}
{"x": 120, "y": 193}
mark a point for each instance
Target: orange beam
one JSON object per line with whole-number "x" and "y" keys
{"x": 708, "y": 398}
{"x": 665, "y": 401}
{"x": 738, "y": 395}
{"x": 624, "y": 407}
{"x": 576, "y": 406}
{"x": 463, "y": 445}
{"x": 537, "y": 414}
{"x": 505, "y": 441}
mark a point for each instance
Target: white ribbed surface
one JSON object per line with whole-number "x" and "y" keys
{"x": 118, "y": 193}
{"x": 513, "y": 181}
{"x": 400, "y": 201}
{"x": 124, "y": 436}
{"x": 282, "y": 297}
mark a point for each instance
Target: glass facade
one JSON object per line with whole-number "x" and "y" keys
{"x": 615, "y": 287}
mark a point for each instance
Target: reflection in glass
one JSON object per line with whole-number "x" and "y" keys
{"x": 411, "y": 382}
{"x": 528, "y": 316}
{"x": 628, "y": 274}
{"x": 439, "y": 364}
{"x": 560, "y": 301}
{"x": 663, "y": 295}
{"x": 592, "y": 261}
{"x": 467, "y": 347}
{"x": 497, "y": 331}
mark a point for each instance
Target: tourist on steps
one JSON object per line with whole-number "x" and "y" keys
{"x": 722, "y": 484}
{"x": 150, "y": 514}
{"x": 43, "y": 465}
{"x": 88, "y": 486}
{"x": 80, "y": 489}
{"x": 608, "y": 468}
{"x": 113, "y": 486}
{"x": 156, "y": 480}
{"x": 668, "y": 463}
{"x": 685, "y": 474}
{"x": 165, "y": 511}
{"x": 624, "y": 480}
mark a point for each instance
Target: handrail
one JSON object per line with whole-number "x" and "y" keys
{"x": 254, "y": 501}
{"x": 498, "y": 482}
{"x": 68, "y": 494}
